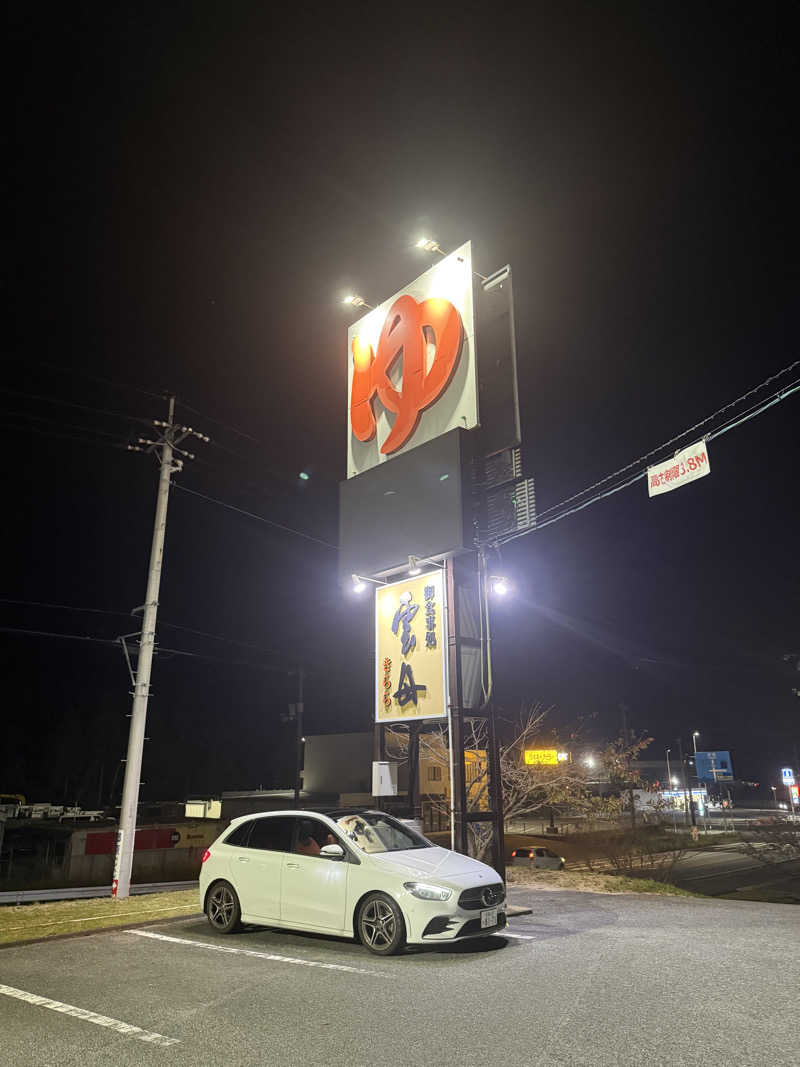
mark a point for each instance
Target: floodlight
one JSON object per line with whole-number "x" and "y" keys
{"x": 427, "y": 245}
{"x": 413, "y": 566}
{"x": 500, "y": 585}
{"x": 359, "y": 585}
{"x": 356, "y": 301}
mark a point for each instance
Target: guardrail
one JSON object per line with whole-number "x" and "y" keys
{"x": 28, "y": 896}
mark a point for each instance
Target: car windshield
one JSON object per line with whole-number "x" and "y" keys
{"x": 373, "y": 831}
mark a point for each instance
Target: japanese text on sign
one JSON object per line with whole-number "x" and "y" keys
{"x": 685, "y": 466}
{"x": 411, "y": 678}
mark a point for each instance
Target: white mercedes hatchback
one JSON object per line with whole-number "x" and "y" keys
{"x": 351, "y": 873}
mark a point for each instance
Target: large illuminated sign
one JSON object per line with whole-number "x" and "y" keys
{"x": 411, "y": 650}
{"x": 411, "y": 366}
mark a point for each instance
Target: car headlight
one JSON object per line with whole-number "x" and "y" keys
{"x": 427, "y": 892}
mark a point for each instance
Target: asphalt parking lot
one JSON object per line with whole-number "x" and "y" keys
{"x": 586, "y": 979}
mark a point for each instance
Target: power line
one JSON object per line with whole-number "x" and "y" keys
{"x": 129, "y": 614}
{"x": 72, "y": 404}
{"x": 258, "y": 518}
{"x": 219, "y": 422}
{"x": 677, "y": 437}
{"x": 730, "y": 425}
{"x": 54, "y": 422}
{"x": 64, "y": 436}
{"x": 75, "y": 372}
{"x": 161, "y": 650}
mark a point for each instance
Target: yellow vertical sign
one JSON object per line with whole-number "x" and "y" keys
{"x": 411, "y": 649}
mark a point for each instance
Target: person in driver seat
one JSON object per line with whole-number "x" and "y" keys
{"x": 306, "y": 845}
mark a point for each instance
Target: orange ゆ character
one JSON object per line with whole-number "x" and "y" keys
{"x": 409, "y": 328}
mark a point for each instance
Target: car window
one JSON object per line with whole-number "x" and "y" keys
{"x": 274, "y": 834}
{"x": 373, "y": 831}
{"x": 541, "y": 851}
{"x": 311, "y": 836}
{"x": 240, "y": 835}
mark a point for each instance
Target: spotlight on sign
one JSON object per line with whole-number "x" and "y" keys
{"x": 359, "y": 585}
{"x": 413, "y": 566}
{"x": 356, "y": 301}
{"x": 427, "y": 245}
{"x": 500, "y": 586}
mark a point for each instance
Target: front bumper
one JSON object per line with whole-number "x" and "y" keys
{"x": 453, "y": 927}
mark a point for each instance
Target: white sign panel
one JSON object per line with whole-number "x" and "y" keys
{"x": 787, "y": 773}
{"x": 411, "y": 373}
{"x": 685, "y": 466}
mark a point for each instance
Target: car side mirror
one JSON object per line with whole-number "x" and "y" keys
{"x": 332, "y": 852}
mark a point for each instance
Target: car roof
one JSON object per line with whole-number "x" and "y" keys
{"x": 328, "y": 813}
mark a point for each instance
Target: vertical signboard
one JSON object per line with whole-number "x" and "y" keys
{"x": 411, "y": 372}
{"x": 411, "y": 650}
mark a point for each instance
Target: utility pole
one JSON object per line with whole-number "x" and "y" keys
{"x": 686, "y": 791}
{"x": 165, "y": 447}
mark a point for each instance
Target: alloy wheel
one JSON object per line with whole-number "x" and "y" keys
{"x": 378, "y": 924}
{"x": 221, "y": 906}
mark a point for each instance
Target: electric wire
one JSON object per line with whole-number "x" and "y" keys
{"x": 75, "y": 372}
{"x": 55, "y": 422}
{"x": 677, "y": 437}
{"x": 258, "y": 518}
{"x": 129, "y": 614}
{"x": 730, "y": 425}
{"x": 160, "y": 649}
{"x": 72, "y": 404}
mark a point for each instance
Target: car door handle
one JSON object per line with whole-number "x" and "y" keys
{"x": 294, "y": 866}
{"x": 243, "y": 859}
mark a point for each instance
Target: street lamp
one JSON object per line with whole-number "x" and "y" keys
{"x": 695, "y": 736}
{"x": 774, "y": 789}
{"x": 590, "y": 761}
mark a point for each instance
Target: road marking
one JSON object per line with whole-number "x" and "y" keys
{"x": 519, "y": 937}
{"x": 90, "y": 1017}
{"x": 252, "y": 952}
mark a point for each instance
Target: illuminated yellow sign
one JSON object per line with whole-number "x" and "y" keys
{"x": 411, "y": 649}
{"x": 535, "y": 757}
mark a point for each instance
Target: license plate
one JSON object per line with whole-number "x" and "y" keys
{"x": 488, "y": 918}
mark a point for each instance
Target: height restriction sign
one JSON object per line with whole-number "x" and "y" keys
{"x": 684, "y": 467}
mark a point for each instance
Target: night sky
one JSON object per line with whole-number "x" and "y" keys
{"x": 192, "y": 190}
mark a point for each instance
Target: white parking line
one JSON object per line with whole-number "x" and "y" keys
{"x": 252, "y": 952}
{"x": 89, "y": 1016}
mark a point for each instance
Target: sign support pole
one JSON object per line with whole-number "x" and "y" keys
{"x": 458, "y": 793}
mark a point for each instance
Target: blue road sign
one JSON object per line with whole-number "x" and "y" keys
{"x": 714, "y": 766}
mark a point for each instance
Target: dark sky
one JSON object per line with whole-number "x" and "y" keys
{"x": 193, "y": 188}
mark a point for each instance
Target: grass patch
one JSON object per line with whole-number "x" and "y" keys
{"x": 27, "y": 922}
{"x": 586, "y": 882}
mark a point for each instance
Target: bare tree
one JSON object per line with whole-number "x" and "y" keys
{"x": 527, "y": 789}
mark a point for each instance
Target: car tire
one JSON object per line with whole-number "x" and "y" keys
{"x": 222, "y": 908}
{"x": 381, "y": 926}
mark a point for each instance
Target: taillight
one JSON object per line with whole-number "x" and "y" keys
{"x": 205, "y": 856}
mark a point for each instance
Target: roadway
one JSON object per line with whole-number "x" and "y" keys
{"x": 586, "y": 979}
